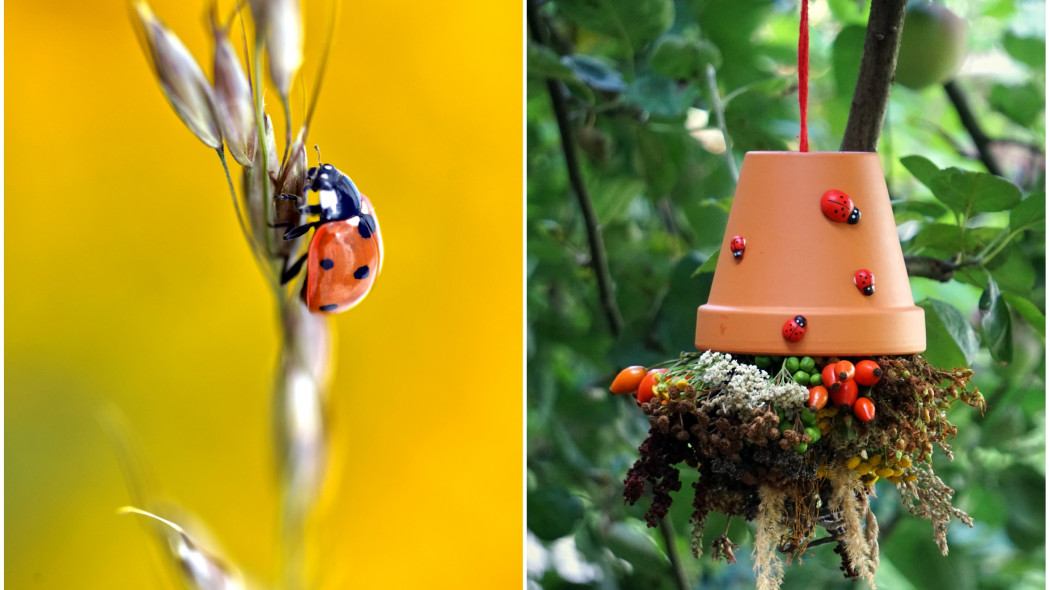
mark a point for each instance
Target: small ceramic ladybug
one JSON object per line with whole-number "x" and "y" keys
{"x": 839, "y": 207}
{"x": 794, "y": 329}
{"x": 346, "y": 250}
{"x": 865, "y": 281}
{"x": 737, "y": 245}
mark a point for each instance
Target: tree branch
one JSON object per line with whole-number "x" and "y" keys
{"x": 599, "y": 263}
{"x": 872, "y": 93}
{"x": 934, "y": 268}
{"x": 969, "y": 122}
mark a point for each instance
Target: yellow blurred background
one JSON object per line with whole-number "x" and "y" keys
{"x": 128, "y": 286}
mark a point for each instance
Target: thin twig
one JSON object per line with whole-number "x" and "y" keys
{"x": 720, "y": 116}
{"x": 879, "y": 61}
{"x": 667, "y": 530}
{"x": 969, "y": 122}
{"x": 599, "y": 262}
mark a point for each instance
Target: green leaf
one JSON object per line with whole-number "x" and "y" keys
{"x": 661, "y": 96}
{"x": 950, "y": 339}
{"x": 634, "y": 21}
{"x": 922, "y": 169}
{"x": 1030, "y": 51}
{"x": 543, "y": 62}
{"x": 675, "y": 326}
{"x": 945, "y": 237}
{"x": 846, "y": 52}
{"x": 677, "y": 57}
{"x": 629, "y": 540}
{"x": 708, "y": 266}
{"x": 553, "y": 513}
{"x": 849, "y": 11}
{"x": 974, "y": 192}
{"x": 1030, "y": 211}
{"x": 995, "y": 323}
{"x": 1013, "y": 271}
{"x": 1029, "y": 311}
{"x": 1022, "y": 103}
{"x": 595, "y": 73}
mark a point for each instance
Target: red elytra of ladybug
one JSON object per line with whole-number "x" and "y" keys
{"x": 794, "y": 329}
{"x": 737, "y": 245}
{"x": 865, "y": 281}
{"x": 837, "y": 206}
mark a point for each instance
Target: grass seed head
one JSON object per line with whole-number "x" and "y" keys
{"x": 181, "y": 79}
{"x": 233, "y": 98}
{"x": 280, "y": 22}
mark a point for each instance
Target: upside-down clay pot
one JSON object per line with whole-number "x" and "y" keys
{"x": 805, "y": 250}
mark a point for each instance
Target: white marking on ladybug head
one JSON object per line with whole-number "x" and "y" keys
{"x": 329, "y": 198}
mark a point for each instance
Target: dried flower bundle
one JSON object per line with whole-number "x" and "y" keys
{"x": 762, "y": 455}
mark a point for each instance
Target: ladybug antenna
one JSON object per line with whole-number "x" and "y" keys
{"x": 318, "y": 155}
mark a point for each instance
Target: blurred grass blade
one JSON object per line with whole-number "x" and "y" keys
{"x": 201, "y": 569}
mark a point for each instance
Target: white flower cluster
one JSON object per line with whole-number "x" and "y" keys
{"x": 744, "y": 387}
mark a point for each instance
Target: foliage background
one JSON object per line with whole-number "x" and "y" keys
{"x": 129, "y": 286}
{"x": 632, "y": 71}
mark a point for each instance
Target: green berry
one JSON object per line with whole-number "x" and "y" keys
{"x": 784, "y": 426}
{"x": 815, "y": 379}
{"x": 801, "y": 377}
{"x": 762, "y": 361}
{"x": 808, "y": 417}
{"x": 813, "y": 432}
{"x": 791, "y": 364}
{"x": 801, "y": 448}
{"x": 807, "y": 364}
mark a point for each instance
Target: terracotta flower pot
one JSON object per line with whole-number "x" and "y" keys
{"x": 798, "y": 260}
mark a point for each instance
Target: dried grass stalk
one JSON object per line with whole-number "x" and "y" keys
{"x": 769, "y": 569}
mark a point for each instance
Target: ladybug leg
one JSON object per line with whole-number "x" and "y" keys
{"x": 287, "y": 197}
{"x": 293, "y": 270}
{"x": 298, "y": 231}
{"x": 304, "y": 209}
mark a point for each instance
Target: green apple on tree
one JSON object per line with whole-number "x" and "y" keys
{"x": 933, "y": 45}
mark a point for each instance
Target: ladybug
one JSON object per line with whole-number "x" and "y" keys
{"x": 839, "y": 207}
{"x": 865, "y": 281}
{"x": 794, "y": 329}
{"x": 736, "y": 245}
{"x": 346, "y": 250}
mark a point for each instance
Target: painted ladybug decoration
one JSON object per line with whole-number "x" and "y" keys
{"x": 865, "y": 281}
{"x": 839, "y": 207}
{"x": 346, "y": 250}
{"x": 737, "y": 245}
{"x": 794, "y": 329}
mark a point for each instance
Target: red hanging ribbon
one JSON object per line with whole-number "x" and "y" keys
{"x": 803, "y": 74}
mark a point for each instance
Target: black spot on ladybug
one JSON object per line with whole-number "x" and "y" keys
{"x": 366, "y": 226}
{"x": 329, "y": 307}
{"x": 327, "y": 264}
{"x": 361, "y": 272}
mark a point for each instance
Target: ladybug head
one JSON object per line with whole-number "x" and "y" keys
{"x": 801, "y": 321}
{"x": 340, "y": 198}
